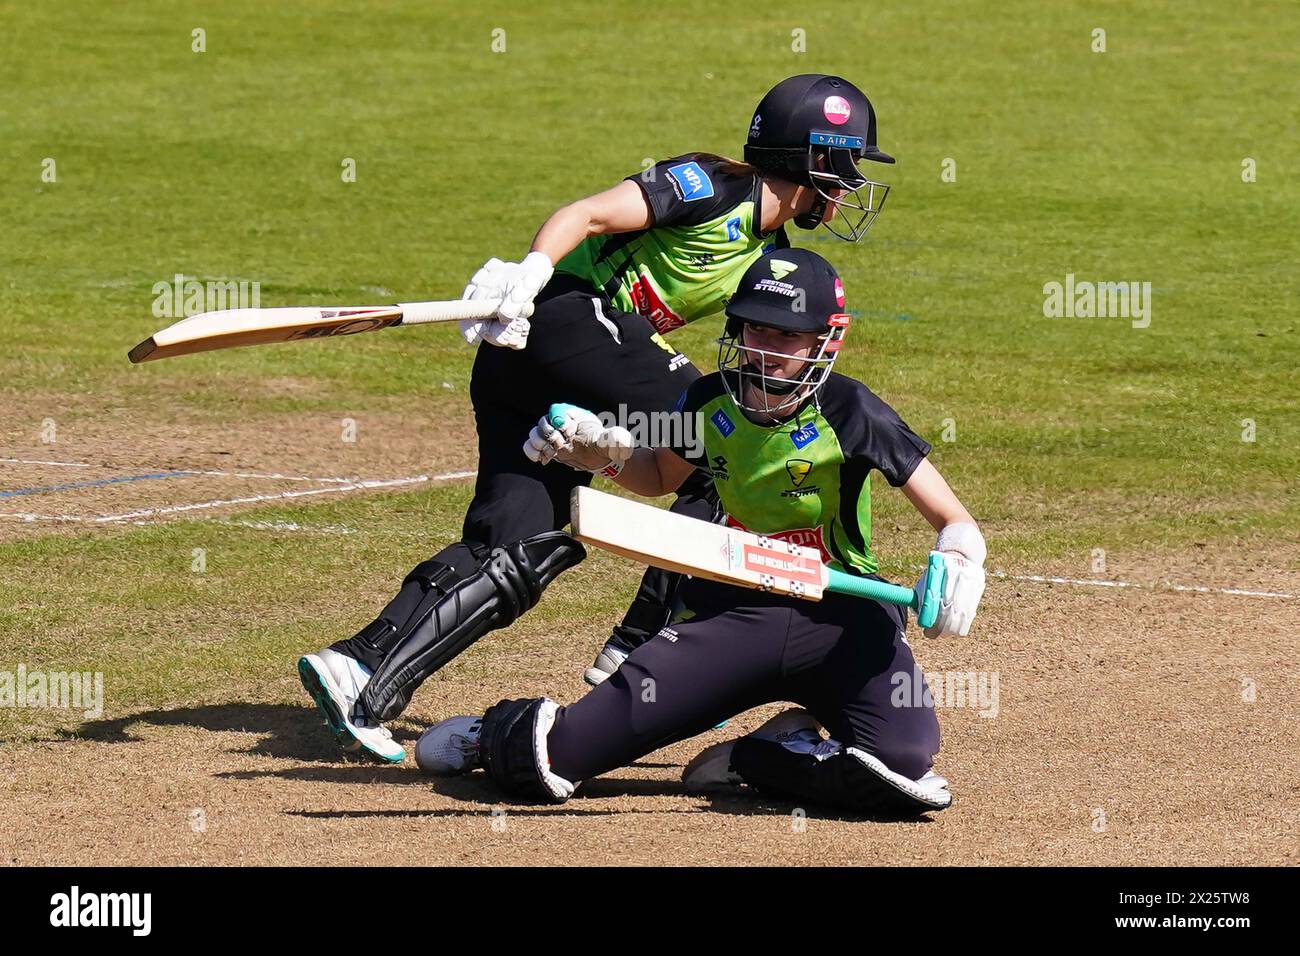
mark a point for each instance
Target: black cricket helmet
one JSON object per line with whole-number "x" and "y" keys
{"x": 814, "y": 129}
{"x": 795, "y": 290}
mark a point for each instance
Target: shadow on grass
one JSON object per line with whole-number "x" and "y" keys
{"x": 287, "y": 732}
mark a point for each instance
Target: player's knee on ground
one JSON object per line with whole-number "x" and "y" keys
{"x": 850, "y": 779}
{"x": 909, "y": 757}
{"x": 512, "y": 748}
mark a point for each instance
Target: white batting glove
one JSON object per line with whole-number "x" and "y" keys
{"x": 962, "y": 548}
{"x": 582, "y": 442}
{"x": 522, "y": 287}
{"x": 490, "y": 284}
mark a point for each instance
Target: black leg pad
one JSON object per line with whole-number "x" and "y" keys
{"x": 509, "y": 583}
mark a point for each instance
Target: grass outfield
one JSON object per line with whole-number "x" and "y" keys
{"x": 1071, "y": 434}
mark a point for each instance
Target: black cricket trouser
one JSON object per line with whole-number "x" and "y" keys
{"x": 841, "y": 659}
{"x": 583, "y": 352}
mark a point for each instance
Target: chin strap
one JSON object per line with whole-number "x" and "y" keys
{"x": 814, "y": 216}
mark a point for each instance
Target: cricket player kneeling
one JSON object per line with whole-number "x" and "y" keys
{"x": 791, "y": 446}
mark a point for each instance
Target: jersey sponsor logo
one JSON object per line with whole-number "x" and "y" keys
{"x": 646, "y": 301}
{"x": 733, "y": 229}
{"x": 722, "y": 423}
{"x": 836, "y": 109}
{"x": 803, "y": 537}
{"x": 693, "y": 181}
{"x": 781, "y": 268}
{"x": 805, "y": 435}
{"x": 718, "y": 466}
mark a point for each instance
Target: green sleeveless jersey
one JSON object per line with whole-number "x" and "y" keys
{"x": 706, "y": 233}
{"x": 807, "y": 480}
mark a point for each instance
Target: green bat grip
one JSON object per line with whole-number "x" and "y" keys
{"x": 936, "y": 573}
{"x": 559, "y": 413}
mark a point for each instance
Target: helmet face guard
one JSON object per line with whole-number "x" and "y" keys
{"x": 855, "y": 212}
{"x": 775, "y": 397}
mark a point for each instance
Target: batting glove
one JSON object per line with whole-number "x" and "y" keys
{"x": 490, "y": 284}
{"x": 582, "y": 442}
{"x": 522, "y": 288}
{"x": 962, "y": 548}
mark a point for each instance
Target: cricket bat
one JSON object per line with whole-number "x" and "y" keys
{"x": 231, "y": 328}
{"x": 678, "y": 543}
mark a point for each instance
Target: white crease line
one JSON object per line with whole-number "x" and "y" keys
{"x": 288, "y": 526}
{"x": 1099, "y": 583}
{"x": 358, "y": 485}
{"x": 271, "y": 477}
{"x": 30, "y": 461}
{"x": 266, "y": 476}
{"x": 253, "y": 499}
{"x": 28, "y": 516}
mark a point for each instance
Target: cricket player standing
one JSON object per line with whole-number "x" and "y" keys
{"x": 582, "y": 319}
{"x": 792, "y": 447}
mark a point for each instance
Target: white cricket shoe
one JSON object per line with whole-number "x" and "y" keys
{"x": 710, "y": 769}
{"x": 449, "y": 747}
{"x": 610, "y": 658}
{"x": 335, "y": 682}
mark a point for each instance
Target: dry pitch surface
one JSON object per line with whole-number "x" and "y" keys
{"x": 1130, "y": 725}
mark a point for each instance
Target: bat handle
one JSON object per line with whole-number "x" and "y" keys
{"x": 843, "y": 583}
{"x": 935, "y": 578}
{"x": 457, "y": 310}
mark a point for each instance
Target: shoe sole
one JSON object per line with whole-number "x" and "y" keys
{"x": 719, "y": 780}
{"x": 314, "y": 683}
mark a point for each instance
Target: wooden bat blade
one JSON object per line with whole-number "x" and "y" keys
{"x": 231, "y": 328}
{"x": 687, "y": 545}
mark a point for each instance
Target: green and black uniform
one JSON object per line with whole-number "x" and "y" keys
{"x": 595, "y": 342}
{"x": 596, "y": 338}
{"x": 844, "y": 659}
{"x": 808, "y": 480}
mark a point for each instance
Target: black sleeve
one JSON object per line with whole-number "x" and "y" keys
{"x": 692, "y": 189}
{"x": 871, "y": 431}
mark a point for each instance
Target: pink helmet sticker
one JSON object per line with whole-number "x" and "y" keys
{"x": 836, "y": 109}
{"x": 839, "y": 293}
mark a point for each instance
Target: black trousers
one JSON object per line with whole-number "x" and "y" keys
{"x": 584, "y": 352}
{"x": 843, "y": 659}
